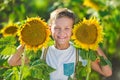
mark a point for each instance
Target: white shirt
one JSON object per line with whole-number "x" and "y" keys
{"x": 63, "y": 61}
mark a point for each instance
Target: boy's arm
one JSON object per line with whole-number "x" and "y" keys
{"x": 15, "y": 59}
{"x": 104, "y": 70}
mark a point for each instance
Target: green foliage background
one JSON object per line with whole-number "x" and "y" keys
{"x": 16, "y": 11}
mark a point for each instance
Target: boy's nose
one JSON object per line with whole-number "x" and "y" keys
{"x": 61, "y": 31}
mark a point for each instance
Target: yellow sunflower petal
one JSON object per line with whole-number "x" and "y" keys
{"x": 90, "y": 3}
{"x": 88, "y": 34}
{"x": 34, "y": 33}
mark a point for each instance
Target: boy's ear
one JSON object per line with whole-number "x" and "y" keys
{"x": 71, "y": 33}
{"x": 50, "y": 27}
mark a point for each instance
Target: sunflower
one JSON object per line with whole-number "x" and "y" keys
{"x": 88, "y": 34}
{"x": 9, "y": 30}
{"x": 34, "y": 33}
{"x": 90, "y": 3}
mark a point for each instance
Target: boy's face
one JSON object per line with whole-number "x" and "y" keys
{"x": 61, "y": 30}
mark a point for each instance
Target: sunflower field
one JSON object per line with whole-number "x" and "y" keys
{"x": 24, "y": 22}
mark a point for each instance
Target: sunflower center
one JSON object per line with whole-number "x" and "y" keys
{"x": 87, "y": 33}
{"x": 11, "y": 30}
{"x": 34, "y": 33}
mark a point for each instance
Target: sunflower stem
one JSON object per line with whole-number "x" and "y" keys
{"x": 88, "y": 69}
{"x": 88, "y": 66}
{"x": 22, "y": 66}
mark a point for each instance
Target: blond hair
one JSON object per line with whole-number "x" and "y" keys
{"x": 61, "y": 12}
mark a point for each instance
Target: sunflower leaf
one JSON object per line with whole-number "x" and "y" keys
{"x": 80, "y": 71}
{"x": 7, "y": 43}
{"x": 83, "y": 54}
{"x": 109, "y": 63}
{"x": 11, "y": 74}
{"x": 41, "y": 68}
{"x": 105, "y": 62}
{"x": 102, "y": 61}
{"x": 9, "y": 40}
{"x": 7, "y": 75}
{"x": 26, "y": 72}
{"x": 8, "y": 50}
{"x": 3, "y": 60}
{"x": 92, "y": 55}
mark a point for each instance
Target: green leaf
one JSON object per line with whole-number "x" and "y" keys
{"x": 32, "y": 55}
{"x": 2, "y": 71}
{"x": 9, "y": 40}
{"x": 95, "y": 76}
{"x": 2, "y": 60}
{"x": 40, "y": 70}
{"x": 80, "y": 71}
{"x": 83, "y": 54}
{"x": 7, "y": 43}
{"x": 83, "y": 72}
{"x": 26, "y": 72}
{"x": 102, "y": 61}
{"x": 8, "y": 50}
{"x": 109, "y": 63}
{"x": 92, "y": 55}
{"x": 7, "y": 75}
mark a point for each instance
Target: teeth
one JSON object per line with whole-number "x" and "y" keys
{"x": 62, "y": 40}
{"x": 61, "y": 37}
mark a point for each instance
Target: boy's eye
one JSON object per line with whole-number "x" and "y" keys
{"x": 66, "y": 28}
{"x": 57, "y": 28}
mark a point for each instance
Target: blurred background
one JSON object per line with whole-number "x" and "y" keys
{"x": 107, "y": 11}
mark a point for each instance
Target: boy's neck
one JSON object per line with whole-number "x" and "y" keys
{"x": 62, "y": 46}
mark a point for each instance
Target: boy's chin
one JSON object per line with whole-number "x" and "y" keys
{"x": 62, "y": 42}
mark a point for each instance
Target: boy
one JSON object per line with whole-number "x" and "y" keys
{"x": 62, "y": 55}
